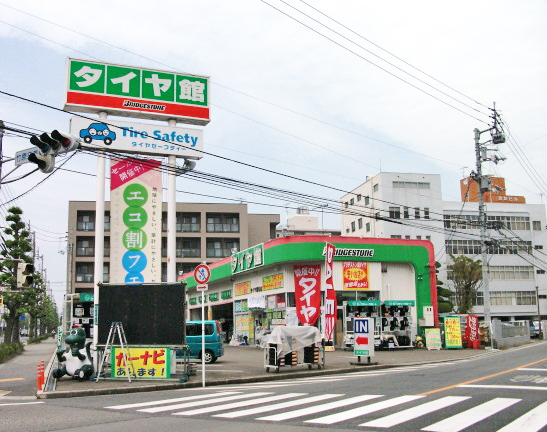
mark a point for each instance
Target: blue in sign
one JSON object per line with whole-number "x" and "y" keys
{"x": 134, "y": 278}
{"x": 134, "y": 261}
{"x": 361, "y": 326}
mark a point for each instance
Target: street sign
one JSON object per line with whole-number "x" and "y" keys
{"x": 363, "y": 331}
{"x": 21, "y": 156}
{"x": 202, "y": 273}
{"x": 202, "y": 287}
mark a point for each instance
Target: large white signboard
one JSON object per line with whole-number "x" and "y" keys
{"x": 144, "y": 138}
{"x": 363, "y": 332}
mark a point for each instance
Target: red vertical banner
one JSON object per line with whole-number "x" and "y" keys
{"x": 330, "y": 294}
{"x": 307, "y": 293}
{"x": 472, "y": 331}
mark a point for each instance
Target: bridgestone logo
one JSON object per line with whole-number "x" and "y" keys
{"x": 354, "y": 252}
{"x": 131, "y": 104}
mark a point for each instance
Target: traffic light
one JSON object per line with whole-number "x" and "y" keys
{"x": 24, "y": 274}
{"x": 51, "y": 145}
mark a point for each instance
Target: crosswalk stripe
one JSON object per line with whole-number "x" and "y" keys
{"x": 209, "y": 401}
{"x": 356, "y": 412}
{"x": 415, "y": 412}
{"x": 240, "y": 404}
{"x": 467, "y": 418}
{"x": 532, "y": 421}
{"x": 318, "y": 408}
{"x": 259, "y": 410}
{"x": 167, "y": 401}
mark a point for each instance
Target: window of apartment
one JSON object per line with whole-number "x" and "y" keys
{"x": 188, "y": 222}
{"x": 85, "y": 221}
{"x": 188, "y": 247}
{"x": 540, "y": 271}
{"x": 461, "y": 221}
{"x": 511, "y": 222}
{"x": 358, "y": 197}
{"x": 186, "y": 267}
{"x": 353, "y": 226}
{"x": 396, "y": 236}
{"x": 84, "y": 272}
{"x": 367, "y": 200}
{"x": 538, "y": 247}
{"x": 375, "y": 187}
{"x": 410, "y": 185}
{"x": 377, "y": 215}
{"x": 220, "y": 248}
{"x": 85, "y": 246}
{"x": 106, "y": 247}
{"x": 395, "y": 212}
{"x": 347, "y": 230}
{"x": 346, "y": 204}
{"x": 536, "y": 225}
{"x": 351, "y": 201}
{"x": 428, "y": 238}
{"x": 418, "y": 237}
{"x": 222, "y": 222}
{"x": 367, "y": 227}
{"x": 107, "y": 221}
{"x": 426, "y": 213}
{"x": 511, "y": 272}
{"x": 526, "y": 297}
{"x": 407, "y": 237}
{"x": 406, "y": 212}
{"x": 106, "y": 272}
{"x": 360, "y": 223}
{"x": 416, "y": 212}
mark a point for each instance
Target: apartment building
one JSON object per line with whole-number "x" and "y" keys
{"x": 410, "y": 206}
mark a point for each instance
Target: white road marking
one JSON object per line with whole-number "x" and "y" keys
{"x": 471, "y": 416}
{"x": 532, "y": 421}
{"x": 533, "y": 369}
{"x": 240, "y": 404}
{"x": 211, "y": 400}
{"x": 274, "y": 407}
{"x": 319, "y": 408}
{"x": 415, "y": 412}
{"x": 166, "y": 401}
{"x": 356, "y": 412}
{"x": 512, "y": 387}
{"x": 20, "y": 403}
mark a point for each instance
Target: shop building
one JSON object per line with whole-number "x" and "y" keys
{"x": 392, "y": 280}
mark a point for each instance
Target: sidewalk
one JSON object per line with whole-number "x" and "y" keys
{"x": 246, "y": 364}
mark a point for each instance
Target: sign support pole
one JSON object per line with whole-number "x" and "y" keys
{"x": 99, "y": 240}
{"x": 171, "y": 216}
{"x": 203, "y": 338}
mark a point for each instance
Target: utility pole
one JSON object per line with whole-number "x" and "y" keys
{"x": 484, "y": 185}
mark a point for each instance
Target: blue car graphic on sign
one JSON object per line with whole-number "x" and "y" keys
{"x": 98, "y": 131}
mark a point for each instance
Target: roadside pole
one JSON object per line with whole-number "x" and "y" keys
{"x": 202, "y": 273}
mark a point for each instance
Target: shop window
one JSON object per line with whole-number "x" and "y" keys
{"x": 290, "y": 300}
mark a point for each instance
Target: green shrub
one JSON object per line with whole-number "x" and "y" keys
{"x": 10, "y": 350}
{"x": 38, "y": 339}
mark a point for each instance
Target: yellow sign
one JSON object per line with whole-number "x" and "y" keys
{"x": 272, "y": 282}
{"x": 148, "y": 362}
{"x": 452, "y": 332}
{"x": 1, "y": 301}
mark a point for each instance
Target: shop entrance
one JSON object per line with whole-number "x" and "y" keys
{"x": 224, "y": 313}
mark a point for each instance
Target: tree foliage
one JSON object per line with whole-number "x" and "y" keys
{"x": 467, "y": 278}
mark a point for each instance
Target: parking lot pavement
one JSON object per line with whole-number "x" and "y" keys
{"x": 243, "y": 364}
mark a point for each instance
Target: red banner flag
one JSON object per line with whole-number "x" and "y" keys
{"x": 307, "y": 293}
{"x": 330, "y": 295}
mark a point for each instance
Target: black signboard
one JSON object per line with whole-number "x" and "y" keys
{"x": 151, "y": 314}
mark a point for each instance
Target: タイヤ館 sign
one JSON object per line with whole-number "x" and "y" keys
{"x": 136, "y": 92}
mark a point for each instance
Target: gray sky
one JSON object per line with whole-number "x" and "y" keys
{"x": 285, "y": 97}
